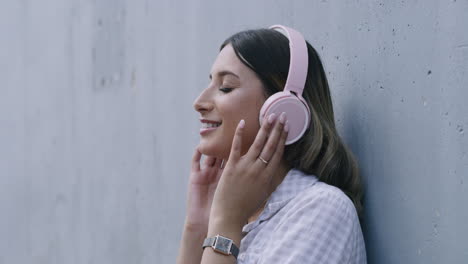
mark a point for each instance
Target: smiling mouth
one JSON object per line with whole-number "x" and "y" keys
{"x": 210, "y": 125}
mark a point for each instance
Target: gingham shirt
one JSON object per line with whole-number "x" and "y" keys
{"x": 304, "y": 221}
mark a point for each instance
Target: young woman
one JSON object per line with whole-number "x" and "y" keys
{"x": 259, "y": 197}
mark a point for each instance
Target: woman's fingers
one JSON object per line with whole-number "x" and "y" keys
{"x": 261, "y": 137}
{"x": 218, "y": 163}
{"x": 209, "y": 161}
{"x": 270, "y": 147}
{"x": 196, "y": 160}
{"x": 236, "y": 147}
{"x": 280, "y": 146}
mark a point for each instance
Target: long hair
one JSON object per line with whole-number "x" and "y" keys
{"x": 320, "y": 151}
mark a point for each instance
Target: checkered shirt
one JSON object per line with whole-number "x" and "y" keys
{"x": 304, "y": 221}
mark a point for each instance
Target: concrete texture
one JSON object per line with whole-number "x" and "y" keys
{"x": 97, "y": 126}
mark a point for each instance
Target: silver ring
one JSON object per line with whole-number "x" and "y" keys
{"x": 264, "y": 161}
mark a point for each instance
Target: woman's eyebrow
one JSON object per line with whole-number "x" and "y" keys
{"x": 223, "y": 73}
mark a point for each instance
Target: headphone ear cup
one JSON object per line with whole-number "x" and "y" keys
{"x": 297, "y": 113}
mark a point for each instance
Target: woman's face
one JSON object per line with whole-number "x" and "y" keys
{"x": 234, "y": 93}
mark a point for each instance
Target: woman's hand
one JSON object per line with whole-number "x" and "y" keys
{"x": 202, "y": 186}
{"x": 245, "y": 183}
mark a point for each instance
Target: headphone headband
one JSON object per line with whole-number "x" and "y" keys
{"x": 298, "y": 63}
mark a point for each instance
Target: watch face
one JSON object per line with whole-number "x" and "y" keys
{"x": 223, "y": 245}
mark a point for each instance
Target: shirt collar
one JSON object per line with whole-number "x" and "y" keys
{"x": 293, "y": 183}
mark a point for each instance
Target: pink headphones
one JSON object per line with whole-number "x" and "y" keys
{"x": 290, "y": 100}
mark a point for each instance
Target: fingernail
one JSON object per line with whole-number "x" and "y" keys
{"x": 282, "y": 118}
{"x": 242, "y": 123}
{"x": 271, "y": 118}
{"x": 286, "y": 126}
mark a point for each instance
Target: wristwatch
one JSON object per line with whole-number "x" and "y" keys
{"x": 222, "y": 245}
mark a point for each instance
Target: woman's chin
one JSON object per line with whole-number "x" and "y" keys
{"x": 212, "y": 150}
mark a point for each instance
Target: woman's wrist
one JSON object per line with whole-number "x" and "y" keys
{"x": 226, "y": 228}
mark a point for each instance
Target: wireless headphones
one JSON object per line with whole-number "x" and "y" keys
{"x": 290, "y": 100}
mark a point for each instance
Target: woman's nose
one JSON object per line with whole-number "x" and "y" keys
{"x": 203, "y": 103}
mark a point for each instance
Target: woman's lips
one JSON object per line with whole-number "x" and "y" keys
{"x": 204, "y": 131}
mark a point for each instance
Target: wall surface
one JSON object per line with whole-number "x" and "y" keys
{"x": 97, "y": 126}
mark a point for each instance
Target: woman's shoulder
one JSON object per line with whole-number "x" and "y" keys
{"x": 324, "y": 196}
{"x": 318, "y": 224}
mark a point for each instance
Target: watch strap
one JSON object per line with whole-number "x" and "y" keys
{"x": 234, "y": 250}
{"x": 209, "y": 242}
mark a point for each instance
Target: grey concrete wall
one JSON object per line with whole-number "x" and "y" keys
{"x": 97, "y": 126}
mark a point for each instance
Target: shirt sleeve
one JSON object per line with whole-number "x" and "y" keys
{"x": 323, "y": 228}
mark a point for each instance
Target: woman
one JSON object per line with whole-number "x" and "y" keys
{"x": 255, "y": 200}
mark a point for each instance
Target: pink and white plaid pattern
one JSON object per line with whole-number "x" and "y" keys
{"x": 304, "y": 221}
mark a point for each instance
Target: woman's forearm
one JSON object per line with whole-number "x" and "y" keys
{"x": 190, "y": 251}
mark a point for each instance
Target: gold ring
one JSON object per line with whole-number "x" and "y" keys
{"x": 264, "y": 161}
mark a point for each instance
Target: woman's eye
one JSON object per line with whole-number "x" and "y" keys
{"x": 225, "y": 89}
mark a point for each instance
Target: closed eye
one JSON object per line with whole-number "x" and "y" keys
{"x": 225, "y": 89}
